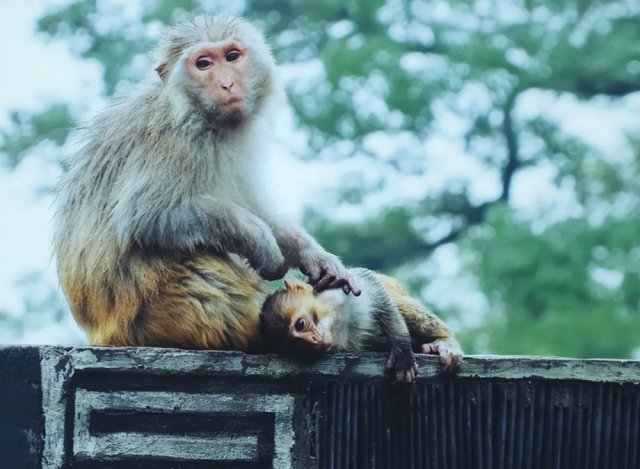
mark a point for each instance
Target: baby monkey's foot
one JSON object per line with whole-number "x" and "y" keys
{"x": 449, "y": 351}
{"x": 402, "y": 365}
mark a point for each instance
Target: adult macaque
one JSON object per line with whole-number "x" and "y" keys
{"x": 162, "y": 206}
{"x": 299, "y": 322}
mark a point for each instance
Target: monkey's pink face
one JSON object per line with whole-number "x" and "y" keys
{"x": 221, "y": 69}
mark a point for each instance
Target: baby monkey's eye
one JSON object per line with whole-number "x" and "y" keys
{"x": 299, "y": 325}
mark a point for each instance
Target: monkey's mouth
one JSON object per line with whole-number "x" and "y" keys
{"x": 232, "y": 103}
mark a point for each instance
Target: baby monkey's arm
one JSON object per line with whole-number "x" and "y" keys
{"x": 427, "y": 331}
{"x": 391, "y": 323}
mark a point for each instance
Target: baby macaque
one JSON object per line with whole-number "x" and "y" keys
{"x": 299, "y": 321}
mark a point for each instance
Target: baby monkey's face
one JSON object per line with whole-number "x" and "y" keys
{"x": 311, "y": 324}
{"x": 309, "y": 321}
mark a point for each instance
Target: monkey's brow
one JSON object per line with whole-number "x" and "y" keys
{"x": 230, "y": 29}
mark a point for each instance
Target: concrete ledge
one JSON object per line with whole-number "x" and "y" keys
{"x": 345, "y": 366}
{"x": 96, "y": 407}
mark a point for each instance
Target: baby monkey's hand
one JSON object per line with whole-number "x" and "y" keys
{"x": 402, "y": 365}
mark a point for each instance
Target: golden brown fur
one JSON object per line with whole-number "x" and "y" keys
{"x": 199, "y": 301}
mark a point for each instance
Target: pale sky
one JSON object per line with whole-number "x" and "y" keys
{"x": 36, "y": 73}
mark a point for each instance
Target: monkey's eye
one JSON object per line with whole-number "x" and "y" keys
{"x": 203, "y": 63}
{"x": 232, "y": 55}
{"x": 299, "y": 325}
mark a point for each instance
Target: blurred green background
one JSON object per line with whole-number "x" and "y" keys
{"x": 466, "y": 150}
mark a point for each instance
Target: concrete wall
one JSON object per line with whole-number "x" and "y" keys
{"x": 168, "y": 408}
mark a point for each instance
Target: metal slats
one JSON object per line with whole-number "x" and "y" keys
{"x": 457, "y": 423}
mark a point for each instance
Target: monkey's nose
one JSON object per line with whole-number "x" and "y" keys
{"x": 226, "y": 83}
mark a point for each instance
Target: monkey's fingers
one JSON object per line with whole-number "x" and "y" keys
{"x": 325, "y": 282}
{"x": 450, "y": 361}
{"x": 347, "y": 283}
{"x": 449, "y": 351}
{"x": 429, "y": 348}
{"x": 352, "y": 287}
{"x": 327, "y": 272}
{"x": 330, "y": 281}
{"x": 405, "y": 376}
{"x": 403, "y": 368}
{"x": 340, "y": 283}
{"x": 313, "y": 271}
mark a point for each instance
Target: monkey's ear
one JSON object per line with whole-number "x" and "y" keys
{"x": 162, "y": 71}
{"x": 295, "y": 286}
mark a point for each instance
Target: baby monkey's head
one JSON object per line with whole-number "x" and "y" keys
{"x": 296, "y": 322}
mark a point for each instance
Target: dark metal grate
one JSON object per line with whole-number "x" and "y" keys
{"x": 457, "y": 423}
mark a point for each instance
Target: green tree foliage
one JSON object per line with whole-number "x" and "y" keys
{"x": 28, "y": 131}
{"x": 397, "y": 73}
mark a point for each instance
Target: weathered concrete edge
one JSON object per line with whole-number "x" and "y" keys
{"x": 345, "y": 366}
